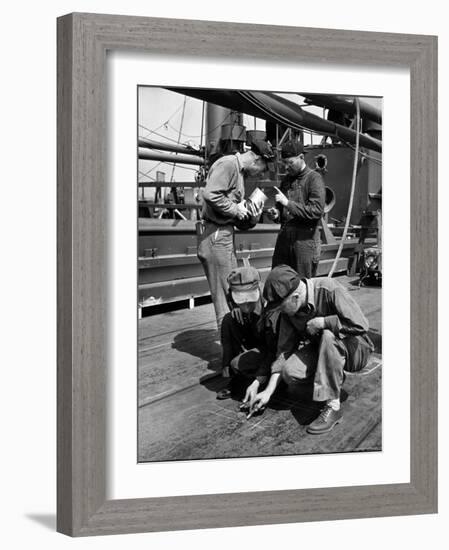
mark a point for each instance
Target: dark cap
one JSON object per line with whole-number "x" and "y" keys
{"x": 244, "y": 284}
{"x": 280, "y": 283}
{"x": 263, "y": 149}
{"x": 292, "y": 148}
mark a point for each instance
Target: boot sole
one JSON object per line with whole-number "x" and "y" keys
{"x": 319, "y": 432}
{"x": 224, "y": 394}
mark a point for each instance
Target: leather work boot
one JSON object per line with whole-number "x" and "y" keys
{"x": 325, "y": 422}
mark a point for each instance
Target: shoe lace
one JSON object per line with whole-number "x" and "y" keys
{"x": 324, "y": 414}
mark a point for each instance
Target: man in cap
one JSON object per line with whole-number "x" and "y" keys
{"x": 248, "y": 344}
{"x": 223, "y": 208}
{"x": 322, "y": 333}
{"x": 300, "y": 206}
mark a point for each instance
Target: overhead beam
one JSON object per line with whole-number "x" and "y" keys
{"x": 344, "y": 104}
{"x": 174, "y": 148}
{"x": 148, "y": 154}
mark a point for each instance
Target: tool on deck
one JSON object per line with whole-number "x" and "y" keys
{"x": 245, "y": 407}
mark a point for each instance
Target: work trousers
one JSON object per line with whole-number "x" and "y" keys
{"x": 243, "y": 349}
{"x": 216, "y": 253}
{"x": 324, "y": 361}
{"x": 299, "y": 248}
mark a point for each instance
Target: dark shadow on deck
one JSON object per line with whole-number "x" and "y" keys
{"x": 356, "y": 282}
{"x": 201, "y": 343}
{"x": 299, "y": 400}
{"x": 376, "y": 338}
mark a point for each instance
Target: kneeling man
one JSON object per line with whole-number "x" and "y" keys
{"x": 322, "y": 333}
{"x": 249, "y": 346}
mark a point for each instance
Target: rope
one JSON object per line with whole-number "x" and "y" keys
{"x": 160, "y": 135}
{"x": 351, "y": 198}
{"x": 143, "y": 175}
{"x": 167, "y": 121}
{"x": 151, "y": 170}
{"x": 364, "y": 373}
{"x": 202, "y": 123}
{"x": 205, "y": 134}
{"x": 362, "y": 154}
{"x": 179, "y": 136}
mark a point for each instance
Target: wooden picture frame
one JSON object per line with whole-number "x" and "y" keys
{"x": 83, "y": 40}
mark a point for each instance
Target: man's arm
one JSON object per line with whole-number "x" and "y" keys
{"x": 261, "y": 400}
{"x": 222, "y": 178}
{"x": 288, "y": 338}
{"x": 348, "y": 319}
{"x": 313, "y": 207}
{"x": 287, "y": 343}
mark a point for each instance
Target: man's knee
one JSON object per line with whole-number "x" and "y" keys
{"x": 294, "y": 371}
{"x": 247, "y": 363}
{"x": 332, "y": 352}
{"x": 327, "y": 337}
{"x": 227, "y": 320}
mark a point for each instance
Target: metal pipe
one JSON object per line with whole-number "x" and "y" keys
{"x": 344, "y": 104}
{"x": 216, "y": 117}
{"x": 275, "y": 108}
{"x": 151, "y": 144}
{"x": 146, "y": 154}
{"x": 285, "y": 111}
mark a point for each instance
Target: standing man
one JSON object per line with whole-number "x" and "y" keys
{"x": 223, "y": 207}
{"x": 322, "y": 333}
{"x": 300, "y": 206}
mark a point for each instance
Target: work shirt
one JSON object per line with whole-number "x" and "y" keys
{"x": 252, "y": 318}
{"x": 325, "y": 298}
{"x": 224, "y": 190}
{"x": 251, "y": 344}
{"x": 306, "y": 200}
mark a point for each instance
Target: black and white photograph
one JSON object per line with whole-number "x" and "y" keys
{"x": 229, "y": 264}
{"x": 259, "y": 273}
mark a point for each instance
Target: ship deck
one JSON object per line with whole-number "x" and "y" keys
{"x": 180, "y": 418}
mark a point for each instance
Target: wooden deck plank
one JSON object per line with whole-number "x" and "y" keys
{"x": 194, "y": 425}
{"x": 186, "y": 360}
{"x": 168, "y": 324}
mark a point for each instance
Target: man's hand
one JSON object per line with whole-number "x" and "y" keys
{"x": 242, "y": 211}
{"x": 237, "y": 315}
{"x": 250, "y": 396}
{"x": 273, "y": 213}
{"x": 280, "y": 197}
{"x": 259, "y": 403}
{"x": 254, "y": 210}
{"x": 315, "y": 326}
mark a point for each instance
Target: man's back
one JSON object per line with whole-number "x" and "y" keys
{"x": 224, "y": 189}
{"x": 328, "y": 299}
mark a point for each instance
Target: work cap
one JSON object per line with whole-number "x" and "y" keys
{"x": 280, "y": 283}
{"x": 244, "y": 284}
{"x": 292, "y": 148}
{"x": 263, "y": 149}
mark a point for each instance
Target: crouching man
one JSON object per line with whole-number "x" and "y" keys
{"x": 249, "y": 347}
{"x": 322, "y": 333}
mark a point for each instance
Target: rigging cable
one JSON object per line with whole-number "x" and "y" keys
{"x": 160, "y": 135}
{"x": 206, "y": 134}
{"x": 362, "y": 154}
{"x": 202, "y": 123}
{"x": 143, "y": 175}
{"x": 151, "y": 170}
{"x": 351, "y": 198}
{"x": 166, "y": 121}
{"x": 179, "y": 136}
